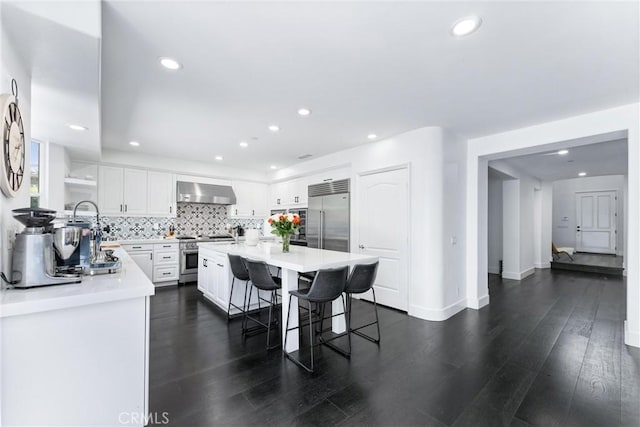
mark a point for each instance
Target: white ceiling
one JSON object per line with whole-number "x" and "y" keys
{"x": 362, "y": 67}
{"x": 60, "y": 43}
{"x": 605, "y": 158}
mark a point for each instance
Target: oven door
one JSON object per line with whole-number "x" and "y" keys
{"x": 189, "y": 261}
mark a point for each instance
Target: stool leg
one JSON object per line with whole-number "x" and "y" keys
{"x": 269, "y": 322}
{"x": 375, "y": 306}
{"x": 348, "y": 321}
{"x": 233, "y": 280}
{"x": 311, "y": 336}
{"x": 246, "y": 313}
{"x": 286, "y": 329}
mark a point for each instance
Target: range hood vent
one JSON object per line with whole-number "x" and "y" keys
{"x": 193, "y": 192}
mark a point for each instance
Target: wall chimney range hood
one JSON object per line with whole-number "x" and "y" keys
{"x": 193, "y": 192}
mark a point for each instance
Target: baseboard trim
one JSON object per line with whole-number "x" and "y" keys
{"x": 437, "y": 315}
{"x": 542, "y": 265}
{"x": 519, "y": 276}
{"x": 477, "y": 304}
{"x": 631, "y": 338}
{"x": 493, "y": 270}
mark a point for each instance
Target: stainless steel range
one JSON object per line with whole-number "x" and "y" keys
{"x": 189, "y": 254}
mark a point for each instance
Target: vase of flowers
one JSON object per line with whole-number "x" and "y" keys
{"x": 284, "y": 225}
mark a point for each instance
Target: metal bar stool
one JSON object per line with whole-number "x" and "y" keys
{"x": 239, "y": 271}
{"x": 362, "y": 278}
{"x": 262, "y": 280}
{"x": 328, "y": 285}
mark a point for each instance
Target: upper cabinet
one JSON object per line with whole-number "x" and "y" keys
{"x": 161, "y": 193}
{"x": 111, "y": 190}
{"x": 289, "y": 193}
{"x": 251, "y": 200}
{"x": 135, "y": 191}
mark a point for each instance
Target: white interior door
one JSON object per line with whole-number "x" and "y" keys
{"x": 596, "y": 222}
{"x": 381, "y": 195}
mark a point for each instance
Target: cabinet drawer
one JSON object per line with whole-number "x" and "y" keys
{"x": 165, "y": 274}
{"x": 164, "y": 257}
{"x": 166, "y": 247}
{"x": 140, "y": 247}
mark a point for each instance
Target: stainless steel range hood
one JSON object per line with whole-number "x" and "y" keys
{"x": 193, "y": 192}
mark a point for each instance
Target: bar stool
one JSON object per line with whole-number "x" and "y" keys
{"x": 260, "y": 276}
{"x": 362, "y": 278}
{"x": 239, "y": 271}
{"x": 328, "y": 285}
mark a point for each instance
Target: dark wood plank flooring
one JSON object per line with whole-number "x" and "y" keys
{"x": 547, "y": 351}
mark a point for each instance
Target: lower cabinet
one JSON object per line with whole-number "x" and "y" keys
{"x": 159, "y": 261}
{"x": 214, "y": 281}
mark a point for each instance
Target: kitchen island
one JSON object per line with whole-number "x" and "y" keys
{"x": 77, "y": 354}
{"x": 300, "y": 259}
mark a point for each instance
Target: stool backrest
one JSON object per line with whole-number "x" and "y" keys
{"x": 238, "y": 268}
{"x": 328, "y": 284}
{"x": 260, "y": 275}
{"x": 362, "y": 278}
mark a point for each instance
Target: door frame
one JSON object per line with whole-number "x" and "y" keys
{"x": 355, "y": 212}
{"x": 616, "y": 209}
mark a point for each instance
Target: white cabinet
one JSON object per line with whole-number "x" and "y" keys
{"x": 144, "y": 259}
{"x": 214, "y": 279}
{"x": 161, "y": 193}
{"x": 110, "y": 190}
{"x": 159, "y": 261}
{"x": 251, "y": 200}
{"x": 135, "y": 191}
{"x": 122, "y": 191}
{"x": 291, "y": 193}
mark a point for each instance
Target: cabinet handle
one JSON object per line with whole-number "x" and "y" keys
{"x": 166, "y": 257}
{"x": 204, "y": 262}
{"x": 166, "y": 246}
{"x": 328, "y": 179}
{"x": 125, "y": 207}
{"x": 253, "y": 212}
{"x": 136, "y": 247}
{"x": 151, "y": 255}
{"x": 236, "y": 211}
{"x": 278, "y": 202}
{"x": 166, "y": 274}
{"x": 220, "y": 265}
{"x": 120, "y": 208}
{"x": 170, "y": 209}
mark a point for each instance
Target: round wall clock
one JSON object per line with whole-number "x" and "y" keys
{"x": 13, "y": 145}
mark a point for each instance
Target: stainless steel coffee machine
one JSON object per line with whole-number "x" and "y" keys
{"x": 34, "y": 254}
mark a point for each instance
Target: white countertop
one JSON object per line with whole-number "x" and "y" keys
{"x": 144, "y": 241}
{"x": 129, "y": 283}
{"x": 300, "y": 258}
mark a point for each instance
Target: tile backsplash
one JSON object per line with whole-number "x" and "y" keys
{"x": 192, "y": 219}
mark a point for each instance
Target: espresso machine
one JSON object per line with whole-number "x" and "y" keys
{"x": 36, "y": 248}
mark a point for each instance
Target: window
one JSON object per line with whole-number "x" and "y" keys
{"x": 34, "y": 187}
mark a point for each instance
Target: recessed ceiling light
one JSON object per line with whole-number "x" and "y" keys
{"x": 134, "y": 143}
{"x": 372, "y": 136}
{"x": 274, "y": 128}
{"x": 465, "y": 26}
{"x": 218, "y": 157}
{"x": 244, "y": 144}
{"x": 274, "y": 167}
{"x": 170, "y": 64}
{"x": 304, "y": 111}
{"x": 582, "y": 174}
{"x": 563, "y": 152}
{"x": 77, "y": 127}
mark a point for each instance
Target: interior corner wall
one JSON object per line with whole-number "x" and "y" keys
{"x": 494, "y": 236}
{"x": 12, "y": 66}
{"x": 511, "y": 233}
{"x": 546, "y": 226}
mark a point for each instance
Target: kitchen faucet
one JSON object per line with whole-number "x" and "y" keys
{"x": 96, "y": 232}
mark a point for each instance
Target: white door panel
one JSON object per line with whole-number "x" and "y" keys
{"x": 380, "y": 195}
{"x": 596, "y": 222}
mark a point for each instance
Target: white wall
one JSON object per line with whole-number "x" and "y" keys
{"x": 495, "y": 225}
{"x": 600, "y": 126}
{"x": 546, "y": 215}
{"x": 511, "y": 231}
{"x": 13, "y": 66}
{"x": 53, "y": 170}
{"x": 564, "y": 206}
{"x": 186, "y": 167}
{"x": 436, "y": 159}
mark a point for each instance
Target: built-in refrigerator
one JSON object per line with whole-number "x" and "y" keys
{"x": 328, "y": 216}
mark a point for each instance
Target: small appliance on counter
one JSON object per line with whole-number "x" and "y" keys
{"x": 36, "y": 247}
{"x": 252, "y": 237}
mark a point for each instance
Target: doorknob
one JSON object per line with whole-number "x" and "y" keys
{"x": 361, "y": 246}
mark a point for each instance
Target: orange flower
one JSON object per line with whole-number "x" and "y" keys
{"x": 270, "y": 220}
{"x": 296, "y": 219}
{"x": 281, "y": 217}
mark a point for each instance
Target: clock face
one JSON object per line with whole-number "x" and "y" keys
{"x": 13, "y": 148}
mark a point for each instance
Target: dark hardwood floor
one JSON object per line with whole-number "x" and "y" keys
{"x": 547, "y": 351}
